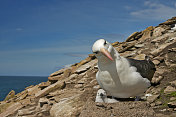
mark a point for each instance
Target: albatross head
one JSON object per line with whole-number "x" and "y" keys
{"x": 102, "y": 48}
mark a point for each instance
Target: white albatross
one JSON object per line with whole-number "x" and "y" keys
{"x": 121, "y": 77}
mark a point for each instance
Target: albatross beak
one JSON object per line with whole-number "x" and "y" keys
{"x": 106, "y": 53}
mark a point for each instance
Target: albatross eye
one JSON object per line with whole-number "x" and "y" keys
{"x": 105, "y": 43}
{"x": 96, "y": 52}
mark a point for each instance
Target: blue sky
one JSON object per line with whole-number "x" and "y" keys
{"x": 37, "y": 37}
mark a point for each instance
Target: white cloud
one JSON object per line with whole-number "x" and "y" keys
{"x": 19, "y": 29}
{"x": 128, "y": 7}
{"x": 73, "y": 54}
{"x": 154, "y": 11}
{"x": 67, "y": 66}
{"x": 57, "y": 50}
{"x": 113, "y": 37}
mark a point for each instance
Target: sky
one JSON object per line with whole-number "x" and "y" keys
{"x": 38, "y": 37}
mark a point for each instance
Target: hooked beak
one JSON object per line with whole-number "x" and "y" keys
{"x": 106, "y": 53}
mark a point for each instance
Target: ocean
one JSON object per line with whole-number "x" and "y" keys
{"x": 18, "y": 83}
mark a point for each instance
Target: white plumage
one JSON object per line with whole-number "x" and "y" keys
{"x": 174, "y": 27}
{"x": 102, "y": 97}
{"x": 116, "y": 74}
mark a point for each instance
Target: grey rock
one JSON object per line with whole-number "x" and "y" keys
{"x": 163, "y": 110}
{"x": 172, "y": 50}
{"x": 140, "y": 57}
{"x": 82, "y": 81}
{"x": 159, "y": 58}
{"x": 78, "y": 86}
{"x": 10, "y": 95}
{"x": 158, "y": 31}
{"x": 28, "y": 111}
{"x": 156, "y": 90}
{"x": 45, "y": 108}
{"x": 128, "y": 53}
{"x": 139, "y": 45}
{"x": 97, "y": 87}
{"x": 156, "y": 62}
{"x": 173, "y": 115}
{"x": 157, "y": 39}
{"x": 59, "y": 72}
{"x": 172, "y": 98}
{"x": 155, "y": 52}
{"x": 132, "y": 37}
{"x": 33, "y": 90}
{"x": 94, "y": 82}
{"x": 167, "y": 60}
{"x": 86, "y": 66}
{"x": 73, "y": 76}
{"x": 158, "y": 103}
{"x": 96, "y": 67}
{"x": 173, "y": 83}
{"x": 170, "y": 40}
{"x": 152, "y": 104}
{"x": 43, "y": 101}
{"x": 172, "y": 104}
{"x": 156, "y": 80}
{"x": 47, "y": 90}
{"x": 160, "y": 71}
{"x": 161, "y": 115}
{"x": 152, "y": 98}
{"x": 67, "y": 72}
{"x": 169, "y": 89}
{"x": 66, "y": 107}
{"x": 12, "y": 109}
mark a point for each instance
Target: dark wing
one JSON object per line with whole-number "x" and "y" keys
{"x": 145, "y": 67}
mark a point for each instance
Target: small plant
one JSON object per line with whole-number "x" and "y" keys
{"x": 173, "y": 94}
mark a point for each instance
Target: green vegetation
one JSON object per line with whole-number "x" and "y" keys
{"x": 165, "y": 98}
{"x": 173, "y": 94}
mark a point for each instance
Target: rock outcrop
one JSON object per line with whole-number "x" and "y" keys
{"x": 71, "y": 91}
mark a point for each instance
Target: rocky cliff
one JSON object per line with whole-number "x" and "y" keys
{"x": 71, "y": 91}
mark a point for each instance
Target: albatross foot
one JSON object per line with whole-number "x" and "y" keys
{"x": 111, "y": 100}
{"x": 137, "y": 98}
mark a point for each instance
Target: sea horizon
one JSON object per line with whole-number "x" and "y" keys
{"x": 25, "y": 75}
{"x": 18, "y": 83}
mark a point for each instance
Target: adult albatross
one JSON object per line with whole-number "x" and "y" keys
{"x": 121, "y": 77}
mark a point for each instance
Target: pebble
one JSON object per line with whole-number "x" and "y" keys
{"x": 78, "y": 86}
{"x": 152, "y": 98}
{"x": 96, "y": 87}
{"x": 172, "y": 98}
{"x": 163, "y": 110}
{"x": 152, "y": 104}
{"x": 169, "y": 89}
{"x": 158, "y": 103}
{"x": 139, "y": 45}
{"x": 82, "y": 81}
{"x": 172, "y": 104}
{"x": 173, "y": 83}
{"x": 73, "y": 76}
{"x": 156, "y": 62}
